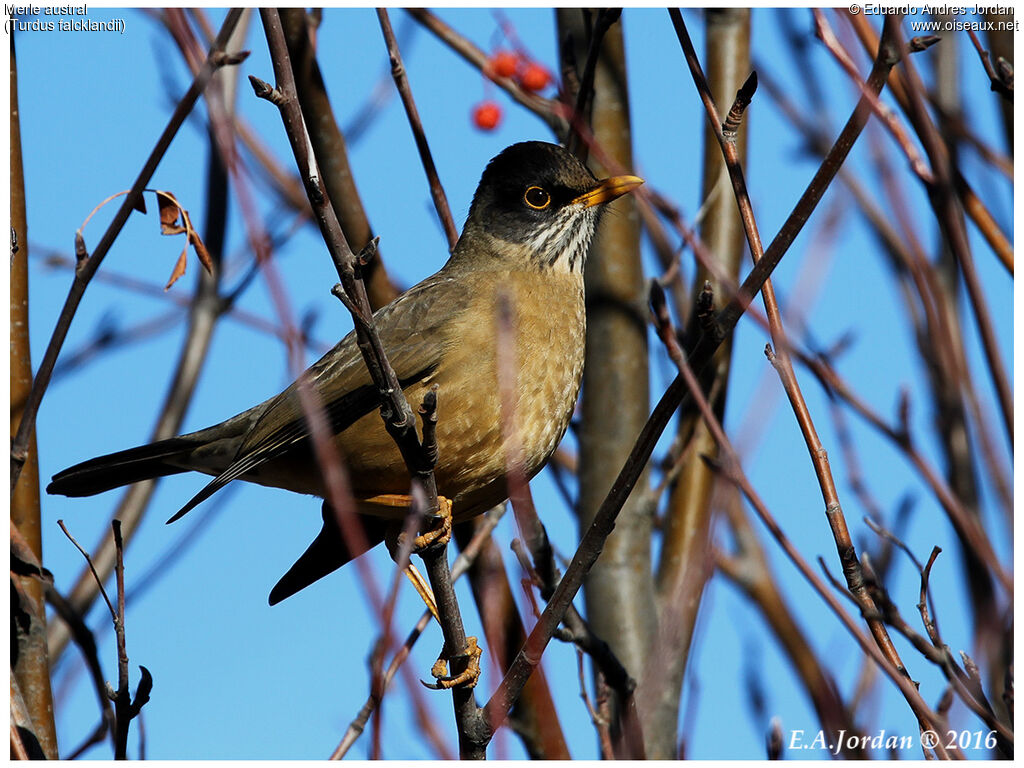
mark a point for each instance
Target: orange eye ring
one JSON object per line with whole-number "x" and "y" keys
{"x": 537, "y": 198}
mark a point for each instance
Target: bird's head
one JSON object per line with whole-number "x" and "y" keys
{"x": 537, "y": 204}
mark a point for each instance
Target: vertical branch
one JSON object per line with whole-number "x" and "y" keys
{"x": 398, "y": 417}
{"x": 684, "y": 565}
{"x": 122, "y": 697}
{"x": 30, "y": 666}
{"x": 619, "y": 589}
{"x": 534, "y": 717}
{"x": 125, "y": 709}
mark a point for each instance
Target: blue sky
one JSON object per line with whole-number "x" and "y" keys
{"x": 234, "y": 678}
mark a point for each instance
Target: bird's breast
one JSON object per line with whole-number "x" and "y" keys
{"x": 507, "y": 383}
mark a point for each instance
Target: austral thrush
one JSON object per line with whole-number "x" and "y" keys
{"x": 524, "y": 245}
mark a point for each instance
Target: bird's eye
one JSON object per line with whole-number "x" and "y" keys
{"x": 537, "y": 198}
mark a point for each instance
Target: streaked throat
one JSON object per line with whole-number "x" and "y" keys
{"x": 562, "y": 244}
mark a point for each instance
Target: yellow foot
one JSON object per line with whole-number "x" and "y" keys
{"x": 467, "y": 678}
{"x": 440, "y": 531}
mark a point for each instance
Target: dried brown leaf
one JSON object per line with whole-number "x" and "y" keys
{"x": 201, "y": 252}
{"x": 179, "y": 268}
{"x": 169, "y": 213}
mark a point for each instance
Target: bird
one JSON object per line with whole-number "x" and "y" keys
{"x": 522, "y": 251}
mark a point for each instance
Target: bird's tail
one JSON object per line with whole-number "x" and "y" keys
{"x": 329, "y": 551}
{"x": 165, "y": 457}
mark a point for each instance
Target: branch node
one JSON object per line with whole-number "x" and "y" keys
{"x": 922, "y": 42}
{"x": 265, "y": 90}
{"x": 366, "y": 255}
{"x": 81, "y": 253}
{"x": 1005, "y": 70}
{"x": 428, "y": 415}
{"x": 706, "y": 306}
{"x": 743, "y": 98}
{"x": 223, "y": 58}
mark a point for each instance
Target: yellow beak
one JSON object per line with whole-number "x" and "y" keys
{"x": 608, "y": 190}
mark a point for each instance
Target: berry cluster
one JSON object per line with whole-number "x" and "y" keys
{"x": 530, "y": 75}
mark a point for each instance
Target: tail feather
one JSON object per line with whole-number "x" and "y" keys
{"x": 328, "y": 552}
{"x": 116, "y": 469}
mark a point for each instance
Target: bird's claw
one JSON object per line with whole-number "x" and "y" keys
{"x": 466, "y": 679}
{"x": 440, "y": 532}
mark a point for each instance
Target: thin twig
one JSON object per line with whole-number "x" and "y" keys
{"x": 103, "y": 592}
{"x": 997, "y": 83}
{"x": 884, "y": 113}
{"x": 886, "y": 58}
{"x": 606, "y": 17}
{"x": 402, "y": 83}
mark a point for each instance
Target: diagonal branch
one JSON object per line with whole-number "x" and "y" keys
{"x": 402, "y": 83}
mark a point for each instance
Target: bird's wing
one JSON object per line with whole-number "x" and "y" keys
{"x": 411, "y": 332}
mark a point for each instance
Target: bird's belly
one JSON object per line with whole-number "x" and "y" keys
{"x": 497, "y": 411}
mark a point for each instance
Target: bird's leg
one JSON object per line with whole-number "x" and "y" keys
{"x": 438, "y": 535}
{"x": 440, "y": 531}
{"x": 471, "y": 673}
{"x": 423, "y": 590}
{"x": 468, "y": 677}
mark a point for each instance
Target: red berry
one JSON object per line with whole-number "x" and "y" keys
{"x": 534, "y": 77}
{"x": 486, "y": 115}
{"x": 504, "y": 63}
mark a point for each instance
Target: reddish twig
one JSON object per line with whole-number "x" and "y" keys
{"x": 998, "y": 84}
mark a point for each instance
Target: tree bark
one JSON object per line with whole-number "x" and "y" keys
{"x": 29, "y": 660}
{"x": 619, "y": 590}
